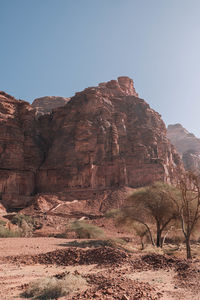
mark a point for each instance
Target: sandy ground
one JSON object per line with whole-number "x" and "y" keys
{"x": 32, "y": 246}
{"x": 14, "y": 276}
{"x": 163, "y": 280}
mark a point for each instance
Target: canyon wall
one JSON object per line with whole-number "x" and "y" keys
{"x": 104, "y": 139}
{"x": 20, "y": 155}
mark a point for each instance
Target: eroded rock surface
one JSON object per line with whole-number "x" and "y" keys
{"x": 187, "y": 144}
{"x": 104, "y": 140}
{"x": 106, "y": 137}
{"x": 20, "y": 153}
{"x": 45, "y": 105}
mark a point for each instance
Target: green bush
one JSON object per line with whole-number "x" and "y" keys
{"x": 53, "y": 288}
{"x": 84, "y": 230}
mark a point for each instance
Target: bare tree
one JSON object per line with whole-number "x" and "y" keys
{"x": 187, "y": 202}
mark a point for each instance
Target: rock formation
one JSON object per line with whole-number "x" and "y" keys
{"x": 20, "y": 156}
{"x": 45, "y": 105}
{"x": 187, "y": 144}
{"x": 104, "y": 141}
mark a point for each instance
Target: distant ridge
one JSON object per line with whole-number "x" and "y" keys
{"x": 187, "y": 144}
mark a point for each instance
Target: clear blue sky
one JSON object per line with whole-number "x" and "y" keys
{"x": 58, "y": 47}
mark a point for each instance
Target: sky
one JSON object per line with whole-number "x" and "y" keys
{"x": 59, "y": 47}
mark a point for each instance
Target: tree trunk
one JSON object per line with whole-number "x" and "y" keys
{"x": 163, "y": 240}
{"x": 188, "y": 248}
{"x": 149, "y": 231}
{"x": 158, "y": 240}
{"x": 142, "y": 244}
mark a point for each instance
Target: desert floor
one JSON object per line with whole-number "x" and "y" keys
{"x": 111, "y": 273}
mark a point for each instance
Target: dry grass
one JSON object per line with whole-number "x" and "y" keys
{"x": 84, "y": 230}
{"x": 53, "y": 288}
{"x": 6, "y": 233}
{"x": 114, "y": 243}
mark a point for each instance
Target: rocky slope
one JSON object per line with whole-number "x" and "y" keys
{"x": 187, "y": 144}
{"x": 45, "y": 105}
{"x": 104, "y": 141}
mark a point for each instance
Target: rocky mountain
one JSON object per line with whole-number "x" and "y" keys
{"x": 102, "y": 143}
{"x": 20, "y": 153}
{"x": 187, "y": 144}
{"x": 45, "y": 105}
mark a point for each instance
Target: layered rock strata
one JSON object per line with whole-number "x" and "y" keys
{"x": 20, "y": 154}
{"x": 187, "y": 144}
{"x": 45, "y": 105}
{"x": 108, "y": 137}
{"x": 105, "y": 139}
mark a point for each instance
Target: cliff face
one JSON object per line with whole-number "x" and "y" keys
{"x": 45, "y": 105}
{"x": 187, "y": 144}
{"x": 20, "y": 155}
{"x": 104, "y": 139}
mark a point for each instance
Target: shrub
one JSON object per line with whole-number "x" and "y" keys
{"x": 84, "y": 230}
{"x": 53, "y": 288}
{"x": 2, "y": 222}
{"x": 114, "y": 243}
{"x": 25, "y": 223}
{"x": 5, "y": 232}
{"x": 19, "y": 218}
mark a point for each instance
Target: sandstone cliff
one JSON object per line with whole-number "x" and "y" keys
{"x": 108, "y": 137}
{"x": 45, "y": 105}
{"x": 187, "y": 144}
{"x": 104, "y": 141}
{"x": 20, "y": 155}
